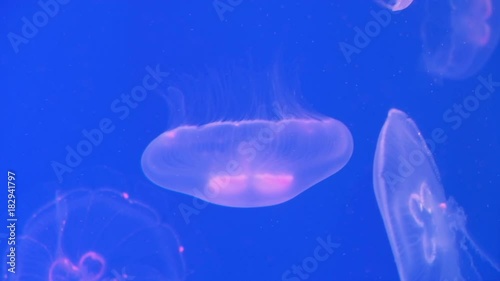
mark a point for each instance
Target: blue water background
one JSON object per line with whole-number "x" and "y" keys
{"x": 64, "y": 80}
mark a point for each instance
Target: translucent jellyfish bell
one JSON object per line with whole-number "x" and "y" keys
{"x": 251, "y": 162}
{"x": 395, "y": 5}
{"x": 95, "y": 235}
{"x": 458, "y": 37}
{"x": 427, "y": 233}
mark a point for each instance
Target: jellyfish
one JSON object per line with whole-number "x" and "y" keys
{"x": 395, "y": 5}
{"x": 458, "y": 37}
{"x": 427, "y": 232}
{"x": 268, "y": 155}
{"x": 95, "y": 235}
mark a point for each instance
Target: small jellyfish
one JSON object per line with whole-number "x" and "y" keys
{"x": 459, "y": 36}
{"x": 259, "y": 160}
{"x": 95, "y": 235}
{"x": 395, "y": 5}
{"x": 427, "y": 233}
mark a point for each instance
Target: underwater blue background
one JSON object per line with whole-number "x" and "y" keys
{"x": 66, "y": 77}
